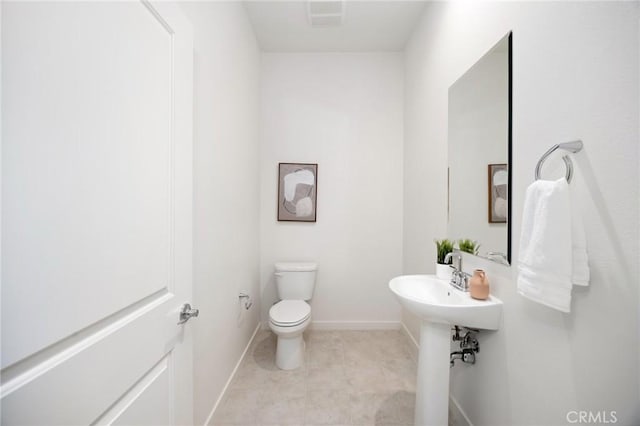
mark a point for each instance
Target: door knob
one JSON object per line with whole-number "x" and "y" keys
{"x": 187, "y": 312}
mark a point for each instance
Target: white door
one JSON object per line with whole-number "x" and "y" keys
{"x": 96, "y": 213}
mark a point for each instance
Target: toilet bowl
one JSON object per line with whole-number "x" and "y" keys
{"x": 289, "y": 317}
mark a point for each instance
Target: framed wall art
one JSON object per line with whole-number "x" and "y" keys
{"x": 498, "y": 203}
{"x": 297, "y": 192}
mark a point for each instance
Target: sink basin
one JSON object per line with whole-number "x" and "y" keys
{"x": 435, "y": 300}
{"x": 439, "y": 306}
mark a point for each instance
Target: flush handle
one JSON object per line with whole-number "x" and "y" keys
{"x": 187, "y": 312}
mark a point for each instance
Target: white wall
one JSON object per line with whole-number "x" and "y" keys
{"x": 226, "y": 193}
{"x": 344, "y": 112}
{"x": 575, "y": 76}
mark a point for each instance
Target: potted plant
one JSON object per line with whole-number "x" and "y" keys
{"x": 443, "y": 247}
{"x": 468, "y": 246}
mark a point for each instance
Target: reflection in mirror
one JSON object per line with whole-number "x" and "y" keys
{"x": 480, "y": 154}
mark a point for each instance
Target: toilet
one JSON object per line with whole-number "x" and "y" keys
{"x": 292, "y": 314}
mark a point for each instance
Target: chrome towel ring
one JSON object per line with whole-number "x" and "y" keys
{"x": 574, "y": 146}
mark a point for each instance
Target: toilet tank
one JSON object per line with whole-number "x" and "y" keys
{"x": 295, "y": 280}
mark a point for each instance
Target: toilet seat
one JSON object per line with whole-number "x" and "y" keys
{"x": 289, "y": 313}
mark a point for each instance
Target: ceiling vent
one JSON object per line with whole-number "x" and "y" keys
{"x": 325, "y": 13}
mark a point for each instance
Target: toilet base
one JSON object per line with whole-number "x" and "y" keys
{"x": 290, "y": 352}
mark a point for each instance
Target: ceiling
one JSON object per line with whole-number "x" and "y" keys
{"x": 282, "y": 26}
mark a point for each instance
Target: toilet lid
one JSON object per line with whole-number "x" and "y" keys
{"x": 289, "y": 312}
{"x": 296, "y": 266}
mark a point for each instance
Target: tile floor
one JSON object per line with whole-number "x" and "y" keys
{"x": 348, "y": 378}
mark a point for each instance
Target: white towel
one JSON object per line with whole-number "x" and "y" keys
{"x": 552, "y": 246}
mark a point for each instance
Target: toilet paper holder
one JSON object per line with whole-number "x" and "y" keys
{"x": 247, "y": 300}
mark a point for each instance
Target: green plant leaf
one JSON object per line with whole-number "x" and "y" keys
{"x": 443, "y": 247}
{"x": 468, "y": 246}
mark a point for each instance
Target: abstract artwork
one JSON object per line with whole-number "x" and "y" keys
{"x": 498, "y": 203}
{"x": 297, "y": 192}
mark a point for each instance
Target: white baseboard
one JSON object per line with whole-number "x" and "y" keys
{"x": 458, "y": 416}
{"x": 355, "y": 325}
{"x": 231, "y": 376}
{"x": 350, "y": 325}
{"x": 413, "y": 345}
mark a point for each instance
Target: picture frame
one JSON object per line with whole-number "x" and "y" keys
{"x": 498, "y": 202}
{"x": 297, "y": 192}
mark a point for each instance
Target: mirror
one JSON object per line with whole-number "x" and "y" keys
{"x": 479, "y": 179}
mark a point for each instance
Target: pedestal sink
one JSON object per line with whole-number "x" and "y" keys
{"x": 439, "y": 306}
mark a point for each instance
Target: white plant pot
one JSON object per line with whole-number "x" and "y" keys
{"x": 443, "y": 271}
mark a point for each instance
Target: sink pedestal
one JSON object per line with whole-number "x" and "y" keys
{"x": 439, "y": 305}
{"x": 432, "y": 392}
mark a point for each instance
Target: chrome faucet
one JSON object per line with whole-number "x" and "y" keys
{"x": 498, "y": 257}
{"x": 459, "y": 278}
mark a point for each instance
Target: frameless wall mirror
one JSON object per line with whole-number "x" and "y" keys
{"x": 480, "y": 154}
